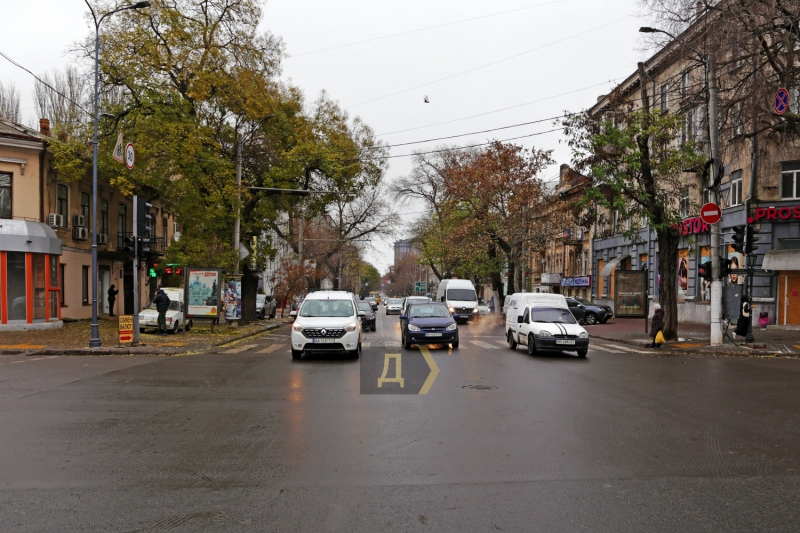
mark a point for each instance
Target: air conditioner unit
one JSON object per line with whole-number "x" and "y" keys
{"x": 102, "y": 238}
{"x": 80, "y": 234}
{"x": 79, "y": 221}
{"x": 55, "y": 220}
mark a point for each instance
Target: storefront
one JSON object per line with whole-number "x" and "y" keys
{"x": 29, "y": 276}
{"x": 579, "y": 286}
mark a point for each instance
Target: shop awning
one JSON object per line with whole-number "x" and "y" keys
{"x": 611, "y": 265}
{"x": 28, "y": 236}
{"x": 781, "y": 260}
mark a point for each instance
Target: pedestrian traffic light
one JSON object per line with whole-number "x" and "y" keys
{"x": 705, "y": 271}
{"x": 128, "y": 245}
{"x": 751, "y": 240}
{"x": 738, "y": 238}
{"x": 144, "y": 221}
{"x": 724, "y": 268}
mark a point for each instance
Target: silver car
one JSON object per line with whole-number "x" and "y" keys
{"x": 265, "y": 306}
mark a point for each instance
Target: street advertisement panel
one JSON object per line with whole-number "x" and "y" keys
{"x": 683, "y": 274}
{"x": 202, "y": 292}
{"x": 630, "y": 293}
{"x": 705, "y": 286}
{"x": 735, "y": 260}
{"x": 232, "y": 298}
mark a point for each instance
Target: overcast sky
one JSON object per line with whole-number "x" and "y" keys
{"x": 483, "y": 65}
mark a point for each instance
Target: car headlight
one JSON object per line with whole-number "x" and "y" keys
{"x": 169, "y": 320}
{"x": 452, "y": 309}
{"x": 412, "y": 327}
{"x": 583, "y": 335}
{"x": 451, "y": 327}
{"x": 351, "y": 326}
{"x": 545, "y": 334}
{"x": 297, "y": 327}
{"x": 475, "y": 310}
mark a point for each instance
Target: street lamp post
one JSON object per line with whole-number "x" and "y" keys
{"x": 94, "y": 340}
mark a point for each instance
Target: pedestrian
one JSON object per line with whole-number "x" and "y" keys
{"x": 657, "y": 326}
{"x": 491, "y": 305}
{"x": 162, "y": 305}
{"x": 112, "y": 299}
{"x": 744, "y": 319}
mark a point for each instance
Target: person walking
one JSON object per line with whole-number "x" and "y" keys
{"x": 112, "y": 299}
{"x": 162, "y": 302}
{"x": 656, "y": 327}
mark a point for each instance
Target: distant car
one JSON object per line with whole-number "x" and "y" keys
{"x": 368, "y": 321}
{"x": 428, "y": 323}
{"x": 265, "y": 306}
{"x": 483, "y": 308}
{"x": 372, "y": 302}
{"x": 394, "y": 306}
{"x": 587, "y": 312}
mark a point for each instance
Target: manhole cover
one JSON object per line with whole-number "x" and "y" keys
{"x": 479, "y": 387}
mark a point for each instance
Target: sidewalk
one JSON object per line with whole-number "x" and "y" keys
{"x": 694, "y": 338}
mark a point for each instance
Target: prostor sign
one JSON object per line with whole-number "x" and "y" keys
{"x": 775, "y": 213}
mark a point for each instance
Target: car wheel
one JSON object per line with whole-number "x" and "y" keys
{"x": 355, "y": 353}
{"x": 141, "y": 330}
{"x": 454, "y": 345}
{"x": 590, "y": 319}
{"x": 296, "y": 354}
{"x": 582, "y": 353}
{"x": 406, "y": 343}
{"x": 175, "y": 328}
{"x": 511, "y": 342}
{"x": 189, "y": 326}
{"x": 531, "y": 345}
{"x": 374, "y": 328}
{"x": 272, "y": 314}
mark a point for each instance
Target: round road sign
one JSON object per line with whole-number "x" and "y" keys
{"x": 781, "y": 101}
{"x": 710, "y": 213}
{"x": 130, "y": 155}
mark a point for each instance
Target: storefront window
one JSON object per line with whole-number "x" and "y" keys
{"x": 39, "y": 289}
{"x": 53, "y": 305}
{"x": 15, "y": 286}
{"x": 5, "y": 195}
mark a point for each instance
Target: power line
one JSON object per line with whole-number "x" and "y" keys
{"x": 490, "y": 64}
{"x": 425, "y": 28}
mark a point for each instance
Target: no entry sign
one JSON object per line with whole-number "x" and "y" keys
{"x": 710, "y": 213}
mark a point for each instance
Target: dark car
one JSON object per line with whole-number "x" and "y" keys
{"x": 368, "y": 320}
{"x": 372, "y": 302}
{"x": 587, "y": 312}
{"x": 428, "y": 323}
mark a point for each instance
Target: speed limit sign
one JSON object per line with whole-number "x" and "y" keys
{"x": 130, "y": 156}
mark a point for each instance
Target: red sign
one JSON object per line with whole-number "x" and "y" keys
{"x": 710, "y": 213}
{"x": 125, "y": 336}
{"x": 776, "y": 213}
{"x": 781, "y": 101}
{"x": 693, "y": 226}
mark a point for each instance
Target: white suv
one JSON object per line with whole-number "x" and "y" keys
{"x": 328, "y": 321}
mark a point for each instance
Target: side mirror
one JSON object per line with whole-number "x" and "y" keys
{"x": 403, "y": 317}
{"x": 362, "y": 313}
{"x": 293, "y": 314}
{"x": 456, "y": 315}
{"x": 519, "y": 320}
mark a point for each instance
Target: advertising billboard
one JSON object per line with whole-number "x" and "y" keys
{"x": 202, "y": 292}
{"x": 630, "y": 294}
{"x": 232, "y": 298}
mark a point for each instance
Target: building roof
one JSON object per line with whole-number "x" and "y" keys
{"x": 11, "y": 129}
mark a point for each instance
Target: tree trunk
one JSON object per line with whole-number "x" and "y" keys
{"x": 668, "y": 241}
{"x": 249, "y": 291}
{"x": 512, "y": 273}
{"x": 497, "y": 279}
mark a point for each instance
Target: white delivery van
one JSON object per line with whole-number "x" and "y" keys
{"x": 518, "y": 302}
{"x": 460, "y": 297}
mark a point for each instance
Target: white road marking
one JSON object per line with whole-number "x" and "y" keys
{"x": 602, "y": 348}
{"x": 271, "y": 348}
{"x": 625, "y": 349}
{"x": 240, "y": 349}
{"x": 484, "y": 345}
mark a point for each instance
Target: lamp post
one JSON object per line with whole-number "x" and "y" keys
{"x": 709, "y": 62}
{"x": 94, "y": 340}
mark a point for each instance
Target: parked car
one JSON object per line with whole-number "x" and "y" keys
{"x": 328, "y": 321}
{"x": 148, "y": 317}
{"x": 549, "y": 329}
{"x": 368, "y": 321}
{"x": 393, "y": 305}
{"x": 265, "y": 306}
{"x": 587, "y": 312}
{"x": 372, "y": 302}
{"x": 428, "y": 323}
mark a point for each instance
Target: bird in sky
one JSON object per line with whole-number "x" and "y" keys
{"x": 425, "y": 98}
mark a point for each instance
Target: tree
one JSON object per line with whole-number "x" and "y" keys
{"x": 9, "y": 102}
{"x": 634, "y": 167}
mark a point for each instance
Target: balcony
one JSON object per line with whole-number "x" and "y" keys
{"x": 158, "y": 245}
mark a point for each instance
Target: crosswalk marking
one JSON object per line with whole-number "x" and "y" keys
{"x": 503, "y": 342}
{"x": 483, "y": 344}
{"x": 602, "y": 348}
{"x": 240, "y": 349}
{"x": 271, "y": 348}
{"x": 625, "y": 349}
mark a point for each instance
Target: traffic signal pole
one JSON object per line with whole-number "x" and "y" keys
{"x": 716, "y": 271}
{"x": 135, "y": 272}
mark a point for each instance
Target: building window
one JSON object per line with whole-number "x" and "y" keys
{"x": 62, "y": 269}
{"x": 684, "y": 202}
{"x": 104, "y": 216}
{"x": 615, "y": 221}
{"x": 735, "y": 192}
{"x": 62, "y": 202}
{"x": 685, "y": 84}
{"x": 5, "y": 195}
{"x": 737, "y": 122}
{"x": 85, "y": 208}
{"x": 122, "y": 219}
{"x": 790, "y": 188}
{"x": 85, "y": 284}
{"x": 664, "y": 98}
{"x": 164, "y": 225}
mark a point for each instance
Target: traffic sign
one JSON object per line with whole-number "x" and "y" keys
{"x": 125, "y": 328}
{"x": 710, "y": 213}
{"x": 781, "y": 101}
{"x": 130, "y": 155}
{"x": 118, "y": 155}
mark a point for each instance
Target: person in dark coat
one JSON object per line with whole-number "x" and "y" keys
{"x": 656, "y": 325}
{"x": 744, "y": 319}
{"x": 112, "y": 299}
{"x": 162, "y": 302}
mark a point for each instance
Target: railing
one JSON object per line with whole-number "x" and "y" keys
{"x": 158, "y": 245}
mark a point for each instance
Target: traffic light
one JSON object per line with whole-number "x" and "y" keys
{"x": 705, "y": 271}
{"x": 751, "y": 240}
{"x": 724, "y": 268}
{"x": 738, "y": 238}
{"x": 128, "y": 245}
{"x": 144, "y": 221}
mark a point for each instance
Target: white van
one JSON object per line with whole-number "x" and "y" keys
{"x": 517, "y": 302}
{"x": 460, "y": 297}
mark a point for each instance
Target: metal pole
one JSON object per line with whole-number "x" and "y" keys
{"x": 237, "y": 222}
{"x": 524, "y": 250}
{"x": 713, "y": 134}
{"x": 748, "y": 338}
{"x": 135, "y": 272}
{"x": 94, "y": 340}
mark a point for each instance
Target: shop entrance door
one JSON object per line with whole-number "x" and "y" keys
{"x": 789, "y": 298}
{"x": 127, "y": 292}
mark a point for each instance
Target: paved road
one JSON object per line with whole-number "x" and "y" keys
{"x": 250, "y": 440}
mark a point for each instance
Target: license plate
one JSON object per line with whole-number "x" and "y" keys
{"x": 433, "y": 334}
{"x": 322, "y": 341}
{"x": 566, "y": 342}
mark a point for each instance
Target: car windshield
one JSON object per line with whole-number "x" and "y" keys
{"x": 461, "y": 295}
{"x": 481, "y": 302}
{"x": 261, "y": 298}
{"x": 174, "y": 305}
{"x": 364, "y": 306}
{"x": 428, "y": 310}
{"x": 551, "y": 314}
{"x": 394, "y": 301}
{"x": 314, "y": 308}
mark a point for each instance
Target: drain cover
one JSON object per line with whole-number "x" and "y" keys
{"x": 479, "y": 387}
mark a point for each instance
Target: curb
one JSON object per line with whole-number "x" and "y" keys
{"x": 722, "y": 351}
{"x": 246, "y": 335}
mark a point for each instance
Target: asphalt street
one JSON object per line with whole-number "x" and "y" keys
{"x": 480, "y": 438}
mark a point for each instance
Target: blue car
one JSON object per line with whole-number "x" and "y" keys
{"x": 428, "y": 323}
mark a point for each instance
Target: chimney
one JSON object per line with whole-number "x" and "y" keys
{"x": 44, "y": 126}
